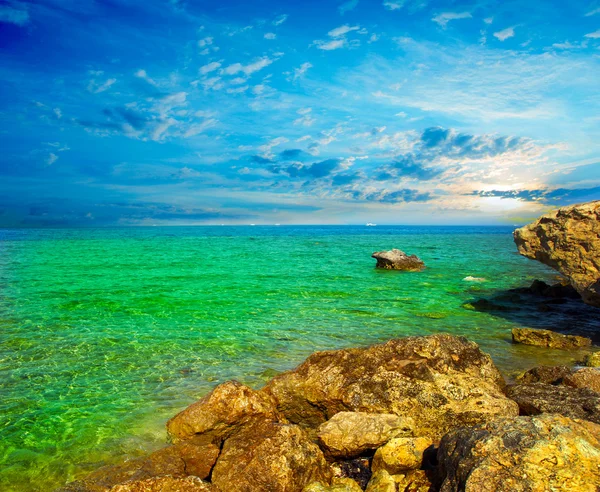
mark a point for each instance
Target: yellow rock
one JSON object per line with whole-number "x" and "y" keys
{"x": 400, "y": 454}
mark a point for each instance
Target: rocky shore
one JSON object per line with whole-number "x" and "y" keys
{"x": 415, "y": 414}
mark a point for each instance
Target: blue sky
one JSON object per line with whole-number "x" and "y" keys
{"x": 142, "y": 112}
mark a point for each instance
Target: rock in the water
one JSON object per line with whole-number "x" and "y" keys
{"x": 536, "y": 398}
{"x": 522, "y": 454}
{"x": 401, "y": 454}
{"x": 165, "y": 484}
{"x": 266, "y": 455}
{"x": 588, "y": 377}
{"x": 228, "y": 407}
{"x": 398, "y": 260}
{"x": 592, "y": 360}
{"x": 441, "y": 381}
{"x": 568, "y": 240}
{"x": 547, "y": 338}
{"x": 545, "y": 374}
{"x": 349, "y": 434}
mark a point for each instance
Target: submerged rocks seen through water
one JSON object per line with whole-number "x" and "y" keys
{"x": 398, "y": 260}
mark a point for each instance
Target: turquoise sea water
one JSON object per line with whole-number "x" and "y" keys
{"x": 105, "y": 334}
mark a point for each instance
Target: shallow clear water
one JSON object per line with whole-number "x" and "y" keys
{"x": 104, "y": 334}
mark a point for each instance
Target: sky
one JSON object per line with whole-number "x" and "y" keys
{"x": 185, "y": 112}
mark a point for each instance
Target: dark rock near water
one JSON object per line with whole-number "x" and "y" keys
{"x": 398, "y": 260}
{"x": 568, "y": 240}
{"x": 522, "y": 454}
{"x": 545, "y": 374}
{"x": 538, "y": 398}
{"x": 547, "y": 338}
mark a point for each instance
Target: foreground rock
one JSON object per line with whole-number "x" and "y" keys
{"x": 568, "y": 240}
{"x": 440, "y": 381}
{"x": 533, "y": 454}
{"x": 401, "y": 454}
{"x": 588, "y": 377}
{"x": 349, "y": 434}
{"x": 398, "y": 260}
{"x": 165, "y": 484}
{"x": 536, "y": 398}
{"x": 547, "y": 338}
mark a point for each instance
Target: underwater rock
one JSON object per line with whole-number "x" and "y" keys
{"x": 522, "y": 454}
{"x": 537, "y": 398}
{"x": 349, "y": 434}
{"x": 547, "y": 338}
{"x": 568, "y": 240}
{"x": 398, "y": 260}
{"x": 440, "y": 381}
{"x": 267, "y": 455}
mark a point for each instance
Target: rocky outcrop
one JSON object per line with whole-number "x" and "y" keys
{"x": 547, "y": 338}
{"x": 398, "y": 260}
{"x": 537, "y": 398}
{"x": 350, "y": 434}
{"x": 533, "y": 454}
{"x": 270, "y": 456}
{"x": 440, "y": 381}
{"x": 568, "y": 240}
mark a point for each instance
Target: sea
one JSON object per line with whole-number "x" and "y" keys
{"x": 107, "y": 333}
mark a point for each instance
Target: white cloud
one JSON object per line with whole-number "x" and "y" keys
{"x": 304, "y": 111}
{"x": 330, "y": 45}
{"x": 445, "y": 17}
{"x": 237, "y": 90}
{"x": 567, "y": 45}
{"x": 270, "y": 35}
{"x": 488, "y": 20}
{"x": 593, "y": 35}
{"x": 238, "y": 81}
{"x": 393, "y": 5}
{"x": 13, "y": 15}
{"x": 342, "y": 30}
{"x": 213, "y": 83}
{"x": 280, "y": 20}
{"x": 58, "y": 113}
{"x": 247, "y": 69}
{"x": 347, "y": 6}
{"x": 198, "y": 128}
{"x": 299, "y": 72}
{"x": 205, "y": 42}
{"x": 141, "y": 74}
{"x": 373, "y": 38}
{"x": 96, "y": 88}
{"x": 593, "y": 12}
{"x": 503, "y": 35}
{"x": 51, "y": 159}
{"x": 305, "y": 120}
{"x": 210, "y": 67}
{"x": 160, "y": 129}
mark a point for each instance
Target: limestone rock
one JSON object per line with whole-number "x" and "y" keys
{"x": 401, "y": 454}
{"x": 349, "y": 434}
{"x": 545, "y": 374}
{"x": 441, "y": 381}
{"x": 588, "y": 377}
{"x": 337, "y": 485}
{"x": 547, "y": 338}
{"x": 522, "y": 454}
{"x": 165, "y": 484}
{"x": 536, "y": 398}
{"x": 229, "y": 406}
{"x": 568, "y": 240}
{"x": 592, "y": 360}
{"x": 398, "y": 260}
{"x": 267, "y": 455}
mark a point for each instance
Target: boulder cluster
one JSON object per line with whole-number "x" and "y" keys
{"x": 414, "y": 414}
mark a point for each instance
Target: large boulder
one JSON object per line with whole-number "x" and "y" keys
{"x": 568, "y": 240}
{"x": 398, "y": 260}
{"x": 266, "y": 455}
{"x": 227, "y": 408}
{"x": 401, "y": 454}
{"x": 349, "y": 434}
{"x": 522, "y": 454}
{"x": 547, "y": 338}
{"x": 440, "y": 381}
{"x": 537, "y": 398}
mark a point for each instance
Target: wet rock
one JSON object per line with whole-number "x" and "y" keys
{"x": 547, "y": 338}
{"x": 592, "y": 360}
{"x": 536, "y": 398}
{"x": 588, "y": 377}
{"x": 522, "y": 454}
{"x": 440, "y": 381}
{"x": 337, "y": 485}
{"x": 165, "y": 484}
{"x": 401, "y": 454}
{"x": 350, "y": 434}
{"x": 545, "y": 374}
{"x": 398, "y": 260}
{"x": 267, "y": 455}
{"x": 228, "y": 407}
{"x": 568, "y": 240}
